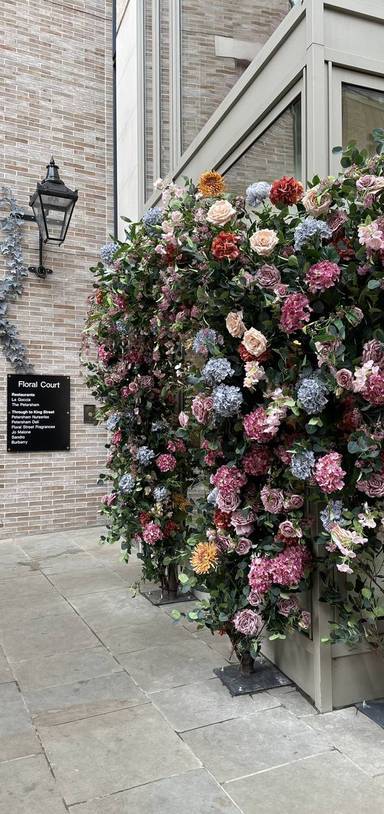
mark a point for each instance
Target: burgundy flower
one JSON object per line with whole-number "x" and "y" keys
{"x": 286, "y": 190}
{"x": 224, "y": 246}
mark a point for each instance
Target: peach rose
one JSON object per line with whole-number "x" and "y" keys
{"x": 220, "y": 213}
{"x": 316, "y": 203}
{"x": 255, "y": 342}
{"x": 263, "y": 241}
{"x": 235, "y": 324}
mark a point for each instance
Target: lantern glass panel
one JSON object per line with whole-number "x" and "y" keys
{"x": 57, "y": 212}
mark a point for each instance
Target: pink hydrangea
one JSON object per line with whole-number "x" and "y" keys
{"x": 286, "y": 569}
{"x": 295, "y": 312}
{"x": 260, "y": 426}
{"x": 152, "y": 533}
{"x": 272, "y": 499}
{"x": 329, "y": 474}
{"x": 247, "y": 622}
{"x": 322, "y": 275}
{"x": 117, "y": 438}
{"x": 176, "y": 445}
{"x": 228, "y": 479}
{"x": 374, "y": 388}
{"x": 166, "y": 463}
{"x": 256, "y": 462}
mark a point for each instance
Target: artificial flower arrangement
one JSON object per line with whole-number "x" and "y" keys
{"x": 267, "y": 312}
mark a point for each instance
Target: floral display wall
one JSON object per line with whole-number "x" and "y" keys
{"x": 241, "y": 373}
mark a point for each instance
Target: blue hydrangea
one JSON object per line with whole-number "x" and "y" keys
{"x": 309, "y": 228}
{"x": 112, "y": 422}
{"x": 303, "y": 464}
{"x": 312, "y": 394}
{"x": 205, "y": 339}
{"x": 212, "y": 497}
{"x": 127, "y": 484}
{"x": 152, "y": 217}
{"x": 160, "y": 493}
{"x": 217, "y": 370}
{"x": 107, "y": 252}
{"x": 144, "y": 456}
{"x": 257, "y": 193}
{"x": 332, "y": 514}
{"x": 122, "y": 326}
{"x": 227, "y": 400}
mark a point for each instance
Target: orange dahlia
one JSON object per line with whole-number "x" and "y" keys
{"x": 204, "y": 557}
{"x": 210, "y": 184}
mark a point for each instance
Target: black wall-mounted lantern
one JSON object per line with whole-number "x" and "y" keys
{"x": 52, "y": 204}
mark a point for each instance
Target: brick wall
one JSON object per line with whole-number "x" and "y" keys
{"x": 56, "y": 79}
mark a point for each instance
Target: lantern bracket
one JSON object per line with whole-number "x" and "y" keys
{"x": 40, "y": 270}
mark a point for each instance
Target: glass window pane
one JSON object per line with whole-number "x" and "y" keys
{"x": 206, "y": 78}
{"x": 277, "y": 152}
{"x": 148, "y": 100}
{"x": 164, "y": 57}
{"x": 363, "y": 110}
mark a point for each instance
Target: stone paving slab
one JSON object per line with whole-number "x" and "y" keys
{"x": 6, "y": 674}
{"x": 195, "y": 793}
{"x": 109, "y": 753}
{"x": 46, "y": 636}
{"x": 16, "y": 614}
{"x": 248, "y": 745}
{"x": 65, "y": 668}
{"x": 83, "y": 699}
{"x": 28, "y": 787}
{"x": 17, "y": 735}
{"x": 158, "y": 668}
{"x": 33, "y": 585}
{"x": 135, "y": 637}
{"x": 354, "y": 735}
{"x": 96, "y": 579}
{"x": 206, "y": 702}
{"x": 325, "y": 784}
{"x": 115, "y": 607}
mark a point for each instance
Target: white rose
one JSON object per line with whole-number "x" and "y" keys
{"x": 316, "y": 203}
{"x": 235, "y": 324}
{"x": 255, "y": 342}
{"x": 220, "y": 213}
{"x": 263, "y": 241}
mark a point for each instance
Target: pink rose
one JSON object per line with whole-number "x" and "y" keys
{"x": 373, "y": 486}
{"x": 315, "y": 202}
{"x": 287, "y": 531}
{"x": 183, "y": 419}
{"x": 268, "y": 276}
{"x": 228, "y": 502}
{"x": 243, "y": 546}
{"x": 243, "y": 525}
{"x": 272, "y": 499}
{"x": 373, "y": 351}
{"x": 234, "y": 323}
{"x": 247, "y": 622}
{"x": 292, "y": 502}
{"x": 344, "y": 379}
{"x": 201, "y": 408}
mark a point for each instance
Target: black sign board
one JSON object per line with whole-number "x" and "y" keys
{"x": 38, "y": 413}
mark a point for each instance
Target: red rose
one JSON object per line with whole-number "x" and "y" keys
{"x": 222, "y": 519}
{"x": 244, "y": 353}
{"x": 225, "y": 246}
{"x": 286, "y": 191}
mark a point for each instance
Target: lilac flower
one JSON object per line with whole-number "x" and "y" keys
{"x": 212, "y": 497}
{"x": 112, "y": 422}
{"x": 205, "y": 340}
{"x": 152, "y": 217}
{"x": 332, "y": 514}
{"x": 160, "y": 493}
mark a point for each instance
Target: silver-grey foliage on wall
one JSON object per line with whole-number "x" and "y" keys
{"x": 11, "y": 286}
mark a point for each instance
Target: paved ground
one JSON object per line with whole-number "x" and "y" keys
{"x": 109, "y": 707}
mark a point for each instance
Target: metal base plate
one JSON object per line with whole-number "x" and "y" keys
{"x": 157, "y": 597}
{"x": 373, "y": 710}
{"x": 265, "y": 677}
